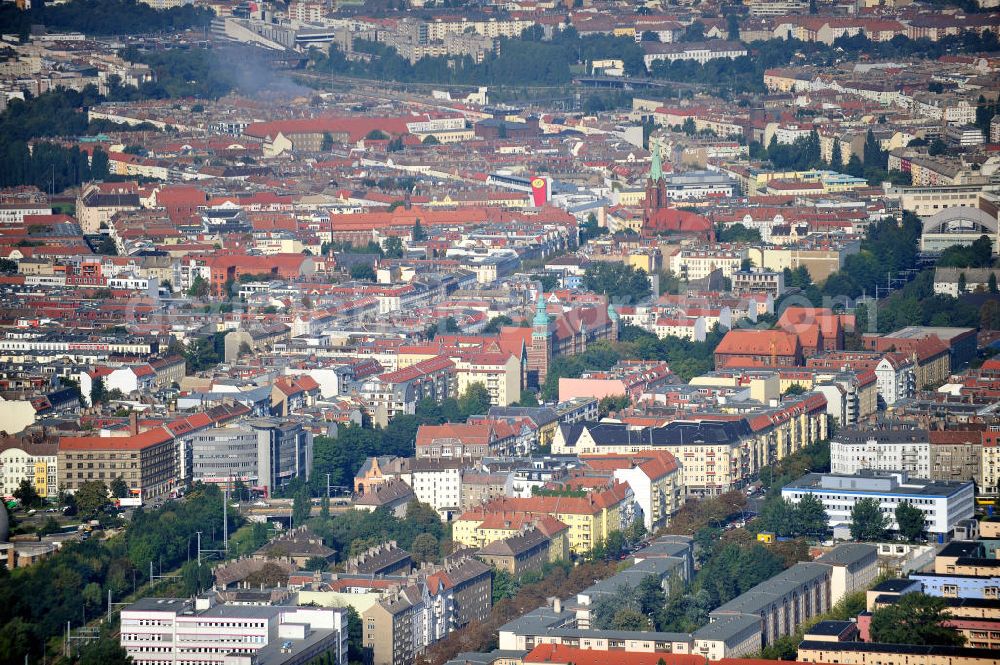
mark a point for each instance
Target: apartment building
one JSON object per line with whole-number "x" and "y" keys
{"x": 402, "y": 624}
{"x": 693, "y": 264}
{"x": 146, "y": 461}
{"x": 35, "y": 462}
{"x": 886, "y": 447}
{"x": 590, "y": 518}
{"x": 525, "y": 551}
{"x": 398, "y": 392}
{"x": 867, "y": 653}
{"x": 438, "y": 483}
{"x": 499, "y": 373}
{"x": 654, "y": 477}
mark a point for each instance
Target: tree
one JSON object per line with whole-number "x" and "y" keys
{"x": 991, "y": 283}
{"x": 425, "y": 547}
{"x": 91, "y": 497}
{"x": 811, "y": 516}
{"x": 619, "y": 281}
{"x": 496, "y": 323}
{"x": 867, "y": 521}
{"x": 316, "y": 563}
{"x": 394, "y": 247}
{"x": 418, "y": 232}
{"x": 26, "y": 494}
{"x": 363, "y": 271}
{"x": 430, "y": 139}
{"x": 301, "y": 506}
{"x": 327, "y": 144}
{"x": 915, "y": 618}
{"x": 270, "y": 575}
{"x": 119, "y": 488}
{"x": 962, "y": 283}
{"x": 694, "y": 32}
{"x": 105, "y": 651}
{"x": 874, "y": 156}
{"x": 475, "y": 400}
{"x": 836, "y": 155}
{"x": 629, "y": 619}
{"x": 528, "y": 398}
{"x": 733, "y": 27}
{"x": 650, "y": 594}
{"x": 778, "y": 517}
{"x": 911, "y": 520}
{"x": 199, "y": 287}
{"x": 937, "y": 147}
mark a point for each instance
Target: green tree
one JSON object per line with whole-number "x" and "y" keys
{"x": 199, "y": 287}
{"x": 425, "y": 547}
{"x": 619, "y": 281}
{"x": 394, "y": 247}
{"x": 363, "y": 271}
{"x": 327, "y": 144}
{"x": 418, "y": 234}
{"x": 505, "y": 585}
{"x": 915, "y": 618}
{"x": 301, "y": 506}
{"x": 26, "y": 494}
{"x": 811, "y": 517}
{"x": 91, "y": 496}
{"x": 105, "y": 651}
{"x": 629, "y": 619}
{"x": 119, "y": 488}
{"x": 651, "y": 595}
{"x": 962, "y": 284}
{"x": 355, "y": 636}
{"x": 475, "y": 400}
{"x": 836, "y": 155}
{"x": 496, "y": 323}
{"x": 316, "y": 563}
{"x": 528, "y": 398}
{"x": 911, "y": 520}
{"x": 991, "y": 283}
{"x": 867, "y": 521}
{"x": 778, "y": 517}
{"x": 98, "y": 392}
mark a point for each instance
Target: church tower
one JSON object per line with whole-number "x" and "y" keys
{"x": 656, "y": 192}
{"x": 541, "y": 343}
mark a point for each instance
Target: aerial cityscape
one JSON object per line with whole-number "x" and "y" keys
{"x": 499, "y": 332}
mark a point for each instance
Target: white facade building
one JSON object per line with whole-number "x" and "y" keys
{"x": 943, "y": 503}
{"x": 438, "y": 483}
{"x": 174, "y": 631}
{"x": 895, "y": 378}
{"x": 17, "y": 464}
{"x": 853, "y": 450}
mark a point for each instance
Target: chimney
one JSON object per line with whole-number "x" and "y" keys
{"x": 133, "y": 423}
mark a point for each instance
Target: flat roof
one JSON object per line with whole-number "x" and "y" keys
{"x": 814, "y": 482}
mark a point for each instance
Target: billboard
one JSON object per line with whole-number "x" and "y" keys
{"x": 539, "y": 191}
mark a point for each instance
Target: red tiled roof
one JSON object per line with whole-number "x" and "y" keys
{"x": 140, "y": 441}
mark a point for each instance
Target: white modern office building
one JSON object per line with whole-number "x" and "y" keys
{"x": 178, "y": 631}
{"x": 943, "y": 503}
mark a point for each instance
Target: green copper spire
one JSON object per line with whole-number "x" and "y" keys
{"x": 656, "y": 169}
{"x": 541, "y": 317}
